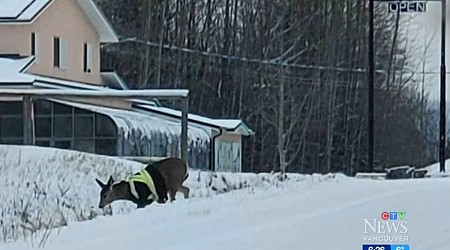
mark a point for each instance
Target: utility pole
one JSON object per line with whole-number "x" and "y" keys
{"x": 442, "y": 130}
{"x": 370, "y": 87}
{"x": 409, "y": 6}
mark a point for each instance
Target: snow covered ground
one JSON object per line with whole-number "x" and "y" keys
{"x": 233, "y": 211}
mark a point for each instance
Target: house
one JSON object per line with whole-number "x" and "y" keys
{"x": 55, "y": 44}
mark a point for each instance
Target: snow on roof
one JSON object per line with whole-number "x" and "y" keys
{"x": 50, "y": 82}
{"x": 128, "y": 120}
{"x": 34, "y": 9}
{"x": 12, "y": 8}
{"x": 95, "y": 16}
{"x": 11, "y": 70}
{"x": 113, "y": 80}
{"x": 399, "y": 168}
{"x": 21, "y": 10}
{"x": 228, "y": 123}
{"x": 25, "y": 11}
{"x": 173, "y": 93}
{"x": 234, "y": 125}
{"x": 17, "y": 65}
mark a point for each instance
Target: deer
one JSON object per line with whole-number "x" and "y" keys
{"x": 149, "y": 185}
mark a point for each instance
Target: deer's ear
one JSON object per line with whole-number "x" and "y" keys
{"x": 110, "y": 181}
{"x": 100, "y": 183}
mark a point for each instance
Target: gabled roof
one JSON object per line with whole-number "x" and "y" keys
{"x": 26, "y": 11}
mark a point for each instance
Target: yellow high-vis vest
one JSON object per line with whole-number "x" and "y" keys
{"x": 143, "y": 177}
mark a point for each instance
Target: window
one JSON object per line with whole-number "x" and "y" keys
{"x": 43, "y": 126}
{"x": 104, "y": 126}
{"x": 59, "y": 52}
{"x": 12, "y": 141}
{"x": 12, "y": 127}
{"x": 62, "y": 127}
{"x": 11, "y": 122}
{"x": 63, "y": 144}
{"x": 105, "y": 146}
{"x": 42, "y": 107}
{"x": 35, "y": 46}
{"x": 87, "y": 58}
{"x": 61, "y": 109}
{"x": 84, "y": 126}
{"x": 86, "y": 145}
{"x": 11, "y": 108}
{"x": 82, "y": 111}
{"x": 56, "y": 52}
{"x": 43, "y": 143}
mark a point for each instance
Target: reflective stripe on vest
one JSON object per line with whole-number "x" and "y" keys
{"x": 144, "y": 177}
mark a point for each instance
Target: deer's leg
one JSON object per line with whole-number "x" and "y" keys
{"x": 185, "y": 191}
{"x": 172, "y": 193}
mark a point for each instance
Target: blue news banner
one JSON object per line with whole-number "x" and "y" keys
{"x": 385, "y": 247}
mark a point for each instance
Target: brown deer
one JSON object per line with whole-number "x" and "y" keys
{"x": 149, "y": 185}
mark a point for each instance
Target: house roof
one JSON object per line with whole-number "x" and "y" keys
{"x": 26, "y": 11}
{"x": 95, "y": 16}
{"x": 21, "y": 10}
{"x": 113, "y": 80}
{"x": 12, "y": 71}
{"x": 230, "y": 125}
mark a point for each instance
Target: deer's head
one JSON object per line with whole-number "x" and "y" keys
{"x": 107, "y": 192}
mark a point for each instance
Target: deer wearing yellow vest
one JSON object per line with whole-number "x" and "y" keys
{"x": 149, "y": 185}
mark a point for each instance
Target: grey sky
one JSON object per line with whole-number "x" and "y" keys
{"x": 426, "y": 28}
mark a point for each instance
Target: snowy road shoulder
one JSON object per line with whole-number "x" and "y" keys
{"x": 314, "y": 217}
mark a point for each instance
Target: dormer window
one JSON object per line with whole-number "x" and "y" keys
{"x": 35, "y": 46}
{"x": 87, "y": 58}
{"x": 59, "y": 53}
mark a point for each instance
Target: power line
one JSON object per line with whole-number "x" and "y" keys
{"x": 274, "y": 62}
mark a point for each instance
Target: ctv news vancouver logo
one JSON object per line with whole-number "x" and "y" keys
{"x": 390, "y": 227}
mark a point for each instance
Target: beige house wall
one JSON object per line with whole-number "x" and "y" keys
{"x": 106, "y": 102}
{"x": 230, "y": 137}
{"x": 65, "y": 19}
{"x": 228, "y": 152}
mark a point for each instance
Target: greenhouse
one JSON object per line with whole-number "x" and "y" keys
{"x": 102, "y": 130}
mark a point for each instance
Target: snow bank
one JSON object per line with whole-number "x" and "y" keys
{"x": 317, "y": 213}
{"x": 42, "y": 188}
{"x": 434, "y": 170}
